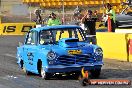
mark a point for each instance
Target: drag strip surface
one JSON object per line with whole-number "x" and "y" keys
{"x": 11, "y": 75}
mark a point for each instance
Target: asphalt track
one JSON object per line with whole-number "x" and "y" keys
{"x": 11, "y": 75}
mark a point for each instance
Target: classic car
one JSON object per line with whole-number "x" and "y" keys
{"x": 124, "y": 19}
{"x": 59, "y": 49}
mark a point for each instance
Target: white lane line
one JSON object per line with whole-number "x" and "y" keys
{"x": 10, "y": 55}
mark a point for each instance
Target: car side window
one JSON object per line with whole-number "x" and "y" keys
{"x": 79, "y": 36}
{"x": 31, "y": 39}
{"x": 69, "y": 33}
{"x": 45, "y": 37}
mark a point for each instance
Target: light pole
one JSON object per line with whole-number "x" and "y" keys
{"x": 0, "y": 6}
{"x": 30, "y": 12}
{"x": 63, "y": 12}
{"x": 103, "y": 6}
{"x": 0, "y": 11}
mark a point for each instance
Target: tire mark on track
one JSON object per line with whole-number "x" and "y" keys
{"x": 10, "y": 55}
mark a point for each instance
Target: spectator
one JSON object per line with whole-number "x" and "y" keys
{"x": 38, "y": 12}
{"x": 128, "y": 2}
{"x": 110, "y": 12}
{"x": 54, "y": 20}
{"x": 49, "y": 16}
{"x": 77, "y": 13}
{"x": 89, "y": 21}
{"x": 45, "y": 20}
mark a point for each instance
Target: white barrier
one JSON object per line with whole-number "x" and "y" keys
{"x": 123, "y": 30}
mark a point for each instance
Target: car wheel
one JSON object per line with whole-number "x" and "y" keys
{"x": 84, "y": 82}
{"x": 44, "y": 74}
{"x": 21, "y": 63}
{"x": 24, "y": 68}
{"x": 95, "y": 73}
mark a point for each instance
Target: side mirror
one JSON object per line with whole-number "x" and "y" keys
{"x": 20, "y": 44}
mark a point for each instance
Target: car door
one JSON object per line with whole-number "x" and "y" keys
{"x": 30, "y": 51}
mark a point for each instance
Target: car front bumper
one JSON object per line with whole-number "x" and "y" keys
{"x": 72, "y": 68}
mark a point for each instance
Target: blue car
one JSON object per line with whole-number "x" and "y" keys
{"x": 59, "y": 49}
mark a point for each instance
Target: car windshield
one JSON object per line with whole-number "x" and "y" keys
{"x": 54, "y": 35}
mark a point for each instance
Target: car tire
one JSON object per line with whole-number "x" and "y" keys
{"x": 25, "y": 71}
{"x": 21, "y": 64}
{"x": 95, "y": 73}
{"x": 44, "y": 74}
{"x": 84, "y": 82}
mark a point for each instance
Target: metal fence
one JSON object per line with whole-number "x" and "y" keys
{"x": 22, "y": 11}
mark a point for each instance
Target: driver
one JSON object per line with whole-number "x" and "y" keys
{"x": 45, "y": 37}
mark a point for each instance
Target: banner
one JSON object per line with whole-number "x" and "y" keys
{"x": 16, "y": 28}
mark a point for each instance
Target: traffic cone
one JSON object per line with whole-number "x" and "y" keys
{"x": 109, "y": 24}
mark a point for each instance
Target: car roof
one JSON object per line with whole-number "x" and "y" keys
{"x": 55, "y": 27}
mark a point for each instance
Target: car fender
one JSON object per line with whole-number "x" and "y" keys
{"x": 42, "y": 55}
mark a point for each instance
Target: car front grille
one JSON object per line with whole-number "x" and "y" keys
{"x": 74, "y": 59}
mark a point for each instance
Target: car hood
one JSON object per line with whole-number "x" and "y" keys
{"x": 123, "y": 17}
{"x": 69, "y": 43}
{"x": 63, "y": 48}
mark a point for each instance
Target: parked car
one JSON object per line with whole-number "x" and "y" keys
{"x": 124, "y": 19}
{"x": 61, "y": 49}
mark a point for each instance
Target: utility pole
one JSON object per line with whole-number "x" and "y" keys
{"x": 63, "y": 12}
{"x": 0, "y": 11}
{"x": 30, "y": 12}
{"x": 0, "y": 6}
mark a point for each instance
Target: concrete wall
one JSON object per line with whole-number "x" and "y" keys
{"x": 114, "y": 45}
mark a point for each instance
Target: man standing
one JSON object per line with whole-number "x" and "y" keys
{"x": 77, "y": 13}
{"x": 110, "y": 13}
{"x": 53, "y": 20}
{"x": 38, "y": 12}
{"x": 128, "y": 2}
{"x": 90, "y": 24}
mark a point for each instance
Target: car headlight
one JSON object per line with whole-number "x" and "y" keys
{"x": 51, "y": 55}
{"x": 98, "y": 51}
